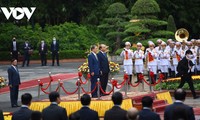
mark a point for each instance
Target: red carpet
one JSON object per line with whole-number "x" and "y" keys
{"x": 33, "y": 83}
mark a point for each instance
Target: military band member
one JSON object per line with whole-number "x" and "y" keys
{"x": 176, "y": 56}
{"x": 164, "y": 59}
{"x": 158, "y": 48}
{"x": 172, "y": 59}
{"x": 138, "y": 56}
{"x": 198, "y": 55}
{"x": 151, "y": 58}
{"x": 127, "y": 55}
{"x": 193, "y": 59}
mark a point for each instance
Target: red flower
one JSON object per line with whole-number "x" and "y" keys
{"x": 80, "y": 74}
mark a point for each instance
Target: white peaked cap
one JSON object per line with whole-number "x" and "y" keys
{"x": 178, "y": 43}
{"x": 159, "y": 40}
{"x": 151, "y": 43}
{"x": 172, "y": 42}
{"x": 163, "y": 43}
{"x": 127, "y": 43}
{"x": 139, "y": 43}
{"x": 192, "y": 40}
{"x": 189, "y": 43}
{"x": 169, "y": 40}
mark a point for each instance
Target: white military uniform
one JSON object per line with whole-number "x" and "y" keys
{"x": 138, "y": 55}
{"x": 127, "y": 55}
{"x": 198, "y": 58}
{"x": 158, "y": 48}
{"x": 164, "y": 60}
{"x": 176, "y": 57}
{"x": 152, "y": 65}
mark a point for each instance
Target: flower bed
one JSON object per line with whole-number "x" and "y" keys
{"x": 173, "y": 83}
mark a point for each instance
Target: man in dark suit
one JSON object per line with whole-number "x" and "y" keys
{"x": 146, "y": 113}
{"x": 54, "y": 112}
{"x": 93, "y": 64}
{"x": 179, "y": 96}
{"x": 27, "y": 53}
{"x": 14, "y": 82}
{"x": 116, "y": 112}
{"x": 14, "y": 49}
{"x": 55, "y": 51}
{"x": 85, "y": 112}
{"x": 1, "y": 115}
{"x": 104, "y": 66}
{"x": 184, "y": 70}
{"x": 43, "y": 53}
{"x": 24, "y": 113}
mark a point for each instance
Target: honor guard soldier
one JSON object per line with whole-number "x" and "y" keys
{"x": 138, "y": 56}
{"x": 164, "y": 59}
{"x": 127, "y": 55}
{"x": 158, "y": 48}
{"x": 151, "y": 58}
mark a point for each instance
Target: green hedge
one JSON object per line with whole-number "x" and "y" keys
{"x": 67, "y": 54}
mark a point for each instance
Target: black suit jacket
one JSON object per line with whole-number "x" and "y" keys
{"x": 44, "y": 51}
{"x": 170, "y": 108}
{"x": 1, "y": 115}
{"x": 146, "y": 114}
{"x": 22, "y": 114}
{"x": 103, "y": 62}
{"x": 27, "y": 48}
{"x": 88, "y": 114}
{"x": 55, "y": 48}
{"x": 17, "y": 47}
{"x": 13, "y": 76}
{"x": 115, "y": 113}
{"x": 54, "y": 112}
{"x": 183, "y": 67}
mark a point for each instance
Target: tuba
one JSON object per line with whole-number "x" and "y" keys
{"x": 182, "y": 35}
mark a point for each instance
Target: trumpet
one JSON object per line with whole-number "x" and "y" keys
{"x": 197, "y": 60}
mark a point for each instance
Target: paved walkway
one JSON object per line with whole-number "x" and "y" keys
{"x": 35, "y": 71}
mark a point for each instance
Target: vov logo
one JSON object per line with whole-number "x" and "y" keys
{"x": 14, "y": 11}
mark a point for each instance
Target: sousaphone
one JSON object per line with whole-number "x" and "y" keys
{"x": 182, "y": 35}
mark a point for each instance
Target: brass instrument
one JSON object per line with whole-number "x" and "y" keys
{"x": 197, "y": 60}
{"x": 181, "y": 35}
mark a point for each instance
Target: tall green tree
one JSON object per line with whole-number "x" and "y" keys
{"x": 145, "y": 24}
{"x": 114, "y": 24}
{"x": 171, "y": 26}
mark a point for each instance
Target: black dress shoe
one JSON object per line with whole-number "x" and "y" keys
{"x": 13, "y": 106}
{"x": 196, "y": 97}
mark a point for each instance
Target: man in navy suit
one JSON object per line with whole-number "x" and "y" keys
{"x": 104, "y": 66}
{"x": 27, "y": 48}
{"x": 24, "y": 113}
{"x": 85, "y": 112}
{"x": 93, "y": 64}
{"x": 55, "y": 51}
{"x": 179, "y": 96}
{"x": 43, "y": 53}
{"x": 14, "y": 82}
{"x": 146, "y": 113}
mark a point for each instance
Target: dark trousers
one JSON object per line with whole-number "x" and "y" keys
{"x": 104, "y": 81}
{"x": 55, "y": 55}
{"x": 188, "y": 79}
{"x": 26, "y": 59}
{"x": 43, "y": 58}
{"x": 93, "y": 84}
{"x": 14, "y": 90}
{"x": 15, "y": 55}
